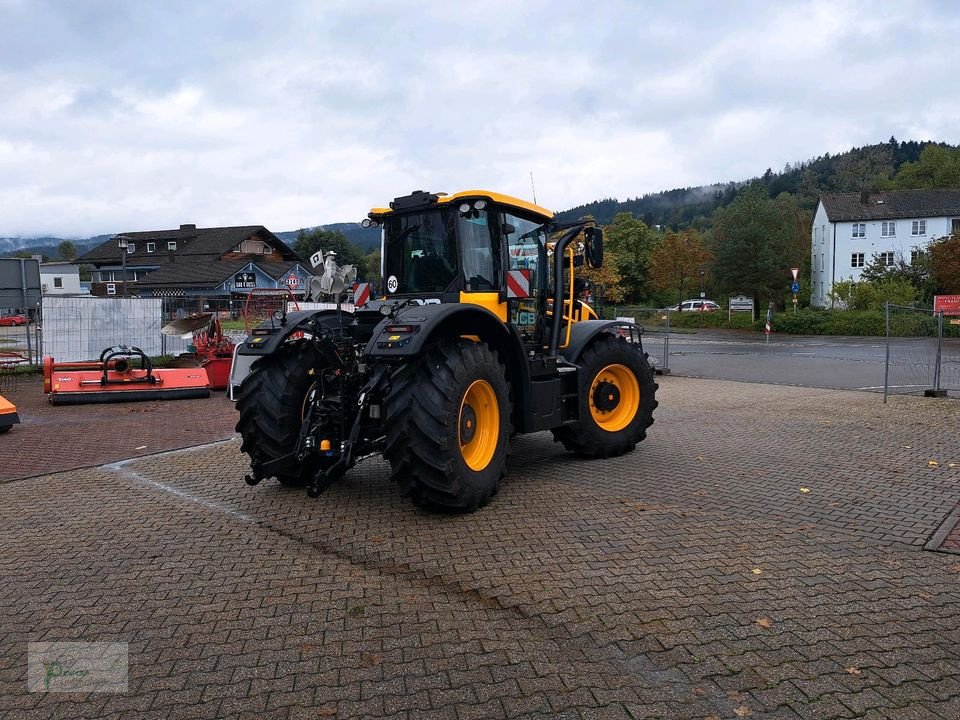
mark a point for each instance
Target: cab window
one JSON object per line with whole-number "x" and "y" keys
{"x": 480, "y": 263}
{"x": 421, "y": 252}
{"x": 526, "y": 248}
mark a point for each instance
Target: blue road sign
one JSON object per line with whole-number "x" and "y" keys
{"x": 795, "y": 287}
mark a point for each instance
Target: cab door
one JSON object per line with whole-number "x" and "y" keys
{"x": 525, "y": 241}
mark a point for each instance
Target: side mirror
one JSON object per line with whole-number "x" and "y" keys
{"x": 507, "y": 229}
{"x": 594, "y": 246}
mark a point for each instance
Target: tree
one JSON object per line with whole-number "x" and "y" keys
{"x": 944, "y": 260}
{"x": 372, "y": 261}
{"x": 755, "y": 245}
{"x": 629, "y": 242}
{"x": 310, "y": 241}
{"x": 67, "y": 251}
{"x": 865, "y": 169}
{"x": 872, "y": 295}
{"x": 938, "y": 167}
{"x": 916, "y": 273}
{"x": 677, "y": 258}
{"x": 608, "y": 276}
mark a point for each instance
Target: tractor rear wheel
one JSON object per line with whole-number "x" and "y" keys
{"x": 617, "y": 400}
{"x": 272, "y": 403}
{"x": 448, "y": 426}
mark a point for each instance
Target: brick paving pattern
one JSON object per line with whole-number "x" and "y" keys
{"x": 760, "y": 555}
{"x": 51, "y": 439}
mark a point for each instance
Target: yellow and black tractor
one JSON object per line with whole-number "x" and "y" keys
{"x": 464, "y": 348}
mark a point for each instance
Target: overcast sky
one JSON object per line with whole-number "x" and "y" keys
{"x": 132, "y": 115}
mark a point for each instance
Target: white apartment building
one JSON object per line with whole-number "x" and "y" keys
{"x": 850, "y": 229}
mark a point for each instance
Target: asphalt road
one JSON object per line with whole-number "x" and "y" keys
{"x": 849, "y": 363}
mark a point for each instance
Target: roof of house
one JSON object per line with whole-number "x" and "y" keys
{"x": 193, "y": 274}
{"x": 891, "y": 205}
{"x": 191, "y": 241}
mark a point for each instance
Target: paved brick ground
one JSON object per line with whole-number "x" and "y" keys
{"x": 50, "y": 439}
{"x": 694, "y": 578}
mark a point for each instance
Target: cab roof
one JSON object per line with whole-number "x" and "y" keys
{"x": 443, "y": 198}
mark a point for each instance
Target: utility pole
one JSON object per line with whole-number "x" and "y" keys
{"x": 123, "y": 242}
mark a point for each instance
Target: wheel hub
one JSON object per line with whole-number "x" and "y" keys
{"x": 606, "y": 396}
{"x": 468, "y": 424}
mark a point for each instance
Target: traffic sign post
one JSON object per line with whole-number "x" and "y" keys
{"x": 795, "y": 287}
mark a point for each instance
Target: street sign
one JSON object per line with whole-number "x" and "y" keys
{"x": 795, "y": 271}
{"x": 741, "y": 302}
{"x": 795, "y": 288}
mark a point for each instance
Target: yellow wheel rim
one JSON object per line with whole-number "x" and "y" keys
{"x": 478, "y": 425}
{"x": 614, "y": 397}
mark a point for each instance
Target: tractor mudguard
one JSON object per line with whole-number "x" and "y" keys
{"x": 266, "y": 339}
{"x": 583, "y": 332}
{"x": 406, "y": 333}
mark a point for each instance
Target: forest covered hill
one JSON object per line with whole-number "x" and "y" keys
{"x": 865, "y": 168}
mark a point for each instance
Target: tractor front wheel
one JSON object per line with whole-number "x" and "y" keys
{"x": 272, "y": 403}
{"x": 448, "y": 426}
{"x": 617, "y": 400}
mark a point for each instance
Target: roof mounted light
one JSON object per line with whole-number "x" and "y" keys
{"x": 479, "y": 204}
{"x": 464, "y": 208}
{"x": 368, "y": 223}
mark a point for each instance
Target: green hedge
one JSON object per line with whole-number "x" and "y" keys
{"x": 809, "y": 321}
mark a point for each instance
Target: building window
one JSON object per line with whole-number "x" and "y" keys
{"x": 955, "y": 226}
{"x": 151, "y": 247}
{"x": 58, "y": 282}
{"x": 886, "y": 258}
{"x": 858, "y": 230}
{"x": 172, "y": 245}
{"x": 919, "y": 227}
{"x": 131, "y": 248}
{"x": 888, "y": 229}
{"x": 916, "y": 255}
{"x": 267, "y": 249}
{"x": 856, "y": 260}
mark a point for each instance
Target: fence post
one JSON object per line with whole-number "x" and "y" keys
{"x": 886, "y": 361}
{"x": 666, "y": 344}
{"x": 936, "y": 368}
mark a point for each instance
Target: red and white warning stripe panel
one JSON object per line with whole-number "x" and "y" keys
{"x": 518, "y": 283}
{"x": 361, "y": 294}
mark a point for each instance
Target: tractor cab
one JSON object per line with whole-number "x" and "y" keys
{"x": 482, "y": 248}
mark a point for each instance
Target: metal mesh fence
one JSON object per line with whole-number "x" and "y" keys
{"x": 922, "y": 352}
{"x": 19, "y": 333}
{"x": 656, "y": 332}
{"x": 80, "y": 328}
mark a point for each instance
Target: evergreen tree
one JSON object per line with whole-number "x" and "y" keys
{"x": 755, "y": 247}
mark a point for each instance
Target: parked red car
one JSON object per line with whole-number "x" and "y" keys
{"x": 8, "y": 320}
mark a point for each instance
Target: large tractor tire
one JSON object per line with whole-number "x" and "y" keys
{"x": 272, "y": 403}
{"x": 617, "y": 400}
{"x": 448, "y": 426}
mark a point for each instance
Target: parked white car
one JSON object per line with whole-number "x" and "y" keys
{"x": 696, "y": 305}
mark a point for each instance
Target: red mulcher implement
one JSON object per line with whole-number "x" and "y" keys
{"x": 114, "y": 378}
